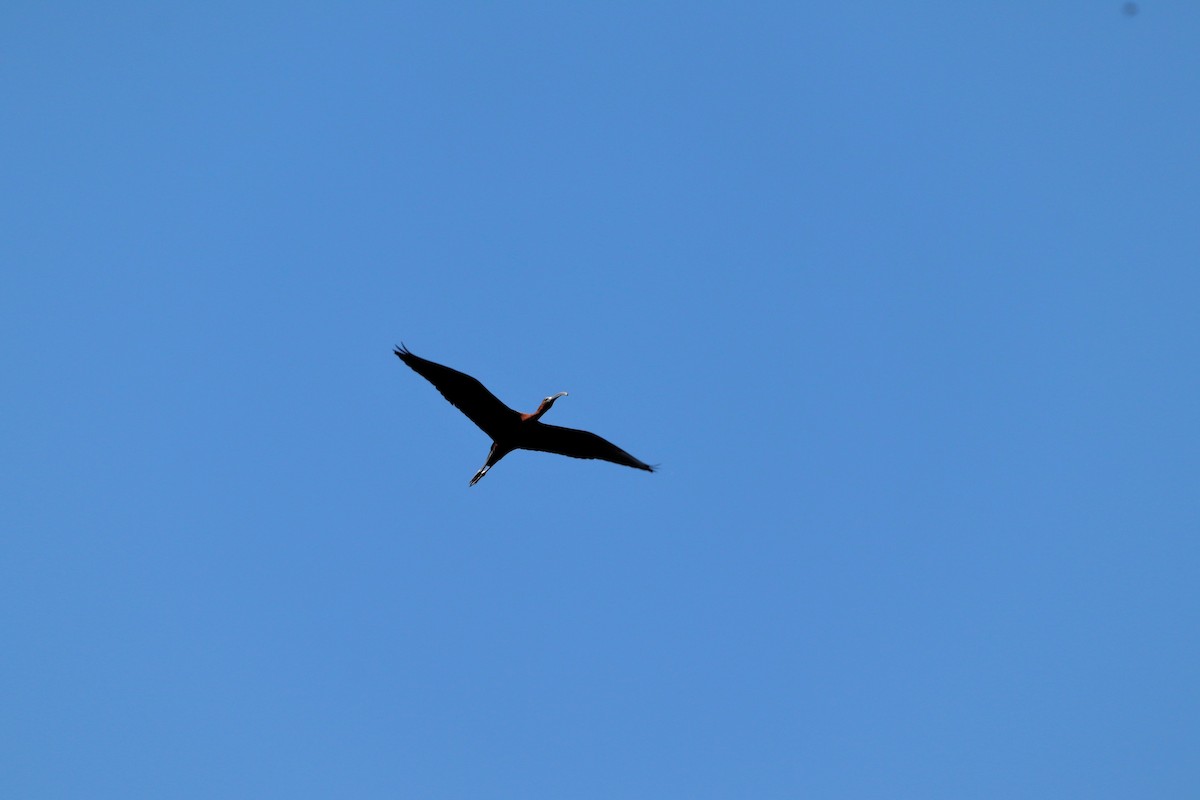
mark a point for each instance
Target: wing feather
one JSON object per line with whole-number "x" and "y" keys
{"x": 464, "y": 393}
{"x": 576, "y": 444}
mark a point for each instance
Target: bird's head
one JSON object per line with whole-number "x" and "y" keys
{"x": 546, "y": 403}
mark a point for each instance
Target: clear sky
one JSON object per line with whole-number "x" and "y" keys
{"x": 902, "y": 297}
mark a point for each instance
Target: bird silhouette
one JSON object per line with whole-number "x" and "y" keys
{"x": 511, "y": 430}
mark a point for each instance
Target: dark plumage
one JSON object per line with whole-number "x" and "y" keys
{"x": 511, "y": 430}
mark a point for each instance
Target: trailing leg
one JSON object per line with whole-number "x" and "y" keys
{"x": 494, "y": 455}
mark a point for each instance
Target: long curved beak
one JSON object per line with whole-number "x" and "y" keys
{"x": 560, "y": 394}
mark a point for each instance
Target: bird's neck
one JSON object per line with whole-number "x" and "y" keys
{"x": 536, "y": 415}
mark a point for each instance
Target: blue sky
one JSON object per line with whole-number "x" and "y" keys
{"x": 902, "y": 297}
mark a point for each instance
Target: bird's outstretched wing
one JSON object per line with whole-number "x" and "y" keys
{"x": 464, "y": 393}
{"x": 577, "y": 444}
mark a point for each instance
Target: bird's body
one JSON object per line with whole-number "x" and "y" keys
{"x": 511, "y": 430}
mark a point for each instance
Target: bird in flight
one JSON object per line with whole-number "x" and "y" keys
{"x": 511, "y": 430}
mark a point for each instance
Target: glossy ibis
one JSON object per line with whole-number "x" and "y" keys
{"x": 511, "y": 430}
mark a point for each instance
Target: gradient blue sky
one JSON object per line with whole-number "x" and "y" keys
{"x": 902, "y": 296}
